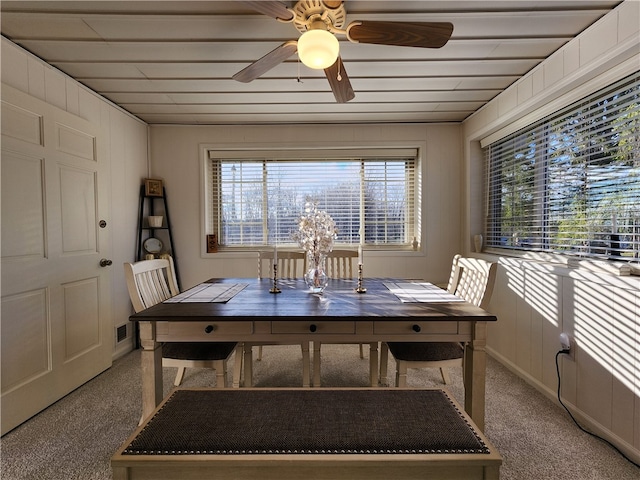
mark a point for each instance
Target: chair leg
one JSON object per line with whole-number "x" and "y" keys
{"x": 259, "y": 353}
{"x": 179, "y": 376}
{"x": 384, "y": 359}
{"x": 464, "y": 363}
{"x": 237, "y": 366}
{"x": 445, "y": 375}
{"x": 361, "y": 351}
{"x": 221, "y": 374}
{"x": 373, "y": 364}
{"x": 401, "y": 373}
{"x": 306, "y": 361}
{"x": 316, "y": 363}
{"x": 248, "y": 366}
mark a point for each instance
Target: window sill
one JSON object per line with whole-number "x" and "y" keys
{"x": 616, "y": 268}
{"x": 621, "y": 269}
{"x": 245, "y": 252}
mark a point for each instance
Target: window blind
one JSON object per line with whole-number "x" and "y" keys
{"x": 570, "y": 183}
{"x": 372, "y": 200}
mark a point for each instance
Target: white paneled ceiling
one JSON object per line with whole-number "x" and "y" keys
{"x": 173, "y": 61}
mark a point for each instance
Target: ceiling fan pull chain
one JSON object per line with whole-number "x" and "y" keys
{"x": 339, "y": 77}
{"x": 298, "y": 79}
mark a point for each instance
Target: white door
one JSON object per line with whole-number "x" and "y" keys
{"x": 55, "y": 323}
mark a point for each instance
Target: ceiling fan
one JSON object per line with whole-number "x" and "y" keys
{"x": 319, "y": 21}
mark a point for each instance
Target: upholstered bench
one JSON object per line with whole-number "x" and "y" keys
{"x": 269, "y": 434}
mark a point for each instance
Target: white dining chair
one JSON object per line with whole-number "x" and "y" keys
{"x": 152, "y": 281}
{"x": 341, "y": 264}
{"x": 291, "y": 266}
{"x": 471, "y": 279}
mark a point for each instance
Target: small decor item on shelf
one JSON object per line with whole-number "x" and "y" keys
{"x": 316, "y": 233}
{"x": 477, "y": 242}
{"x": 212, "y": 243}
{"x": 152, "y": 245}
{"x": 155, "y": 221}
{"x": 153, "y": 187}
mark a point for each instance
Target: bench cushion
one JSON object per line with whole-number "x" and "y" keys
{"x": 302, "y": 421}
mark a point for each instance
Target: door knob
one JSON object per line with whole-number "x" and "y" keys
{"x": 105, "y": 262}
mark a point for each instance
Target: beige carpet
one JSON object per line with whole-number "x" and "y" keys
{"x": 75, "y": 438}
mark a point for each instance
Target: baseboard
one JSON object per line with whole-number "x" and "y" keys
{"x": 585, "y": 420}
{"x": 122, "y": 349}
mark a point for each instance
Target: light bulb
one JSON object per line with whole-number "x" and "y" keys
{"x": 318, "y": 49}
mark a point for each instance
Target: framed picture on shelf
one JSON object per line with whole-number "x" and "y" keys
{"x": 153, "y": 187}
{"x": 212, "y": 243}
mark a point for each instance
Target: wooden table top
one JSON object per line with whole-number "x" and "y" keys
{"x": 339, "y": 302}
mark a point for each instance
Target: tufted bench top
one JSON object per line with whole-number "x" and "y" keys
{"x": 317, "y": 425}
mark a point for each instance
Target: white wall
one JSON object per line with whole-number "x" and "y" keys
{"x": 176, "y": 154}
{"x": 537, "y": 298}
{"x": 125, "y": 138}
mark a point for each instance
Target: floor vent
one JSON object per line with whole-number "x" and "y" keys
{"x": 121, "y": 333}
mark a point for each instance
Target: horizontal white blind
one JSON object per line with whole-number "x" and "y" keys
{"x": 261, "y": 199}
{"x": 570, "y": 183}
{"x": 314, "y": 153}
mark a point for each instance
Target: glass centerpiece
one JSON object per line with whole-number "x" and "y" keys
{"x": 316, "y": 233}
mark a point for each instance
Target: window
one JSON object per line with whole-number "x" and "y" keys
{"x": 570, "y": 183}
{"x": 257, "y": 201}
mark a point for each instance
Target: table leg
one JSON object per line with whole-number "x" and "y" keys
{"x": 151, "y": 358}
{"x": 475, "y": 367}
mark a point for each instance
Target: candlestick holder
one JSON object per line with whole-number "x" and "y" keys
{"x": 360, "y": 288}
{"x": 274, "y": 288}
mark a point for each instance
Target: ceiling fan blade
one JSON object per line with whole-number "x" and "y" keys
{"x": 403, "y": 34}
{"x": 273, "y": 9}
{"x": 332, "y": 4}
{"x": 339, "y": 81}
{"x": 266, "y": 63}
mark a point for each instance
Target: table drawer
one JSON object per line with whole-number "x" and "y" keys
{"x": 313, "y": 327}
{"x": 202, "y": 330}
{"x": 414, "y": 327}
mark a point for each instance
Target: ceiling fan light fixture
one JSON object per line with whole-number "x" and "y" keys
{"x": 318, "y": 49}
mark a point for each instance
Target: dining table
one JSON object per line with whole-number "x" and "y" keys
{"x": 251, "y": 310}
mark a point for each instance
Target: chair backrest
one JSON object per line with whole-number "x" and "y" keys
{"x": 472, "y": 279}
{"x": 340, "y": 264}
{"x": 291, "y": 265}
{"x": 150, "y": 282}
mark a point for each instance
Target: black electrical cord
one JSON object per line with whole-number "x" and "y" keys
{"x": 567, "y": 351}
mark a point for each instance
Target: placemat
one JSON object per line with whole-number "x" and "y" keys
{"x": 209, "y": 293}
{"x": 420, "y": 292}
